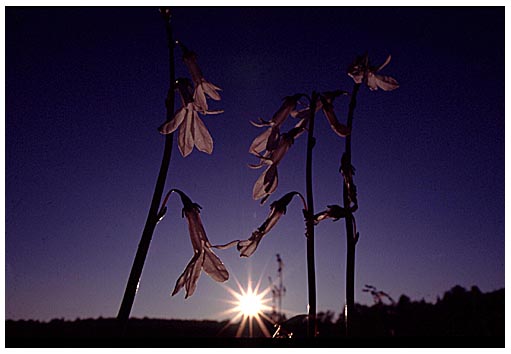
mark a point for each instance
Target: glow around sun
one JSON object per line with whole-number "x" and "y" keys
{"x": 249, "y": 305}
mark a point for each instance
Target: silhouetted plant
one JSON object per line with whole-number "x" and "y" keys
{"x": 362, "y": 72}
{"x": 192, "y": 133}
{"x": 270, "y": 147}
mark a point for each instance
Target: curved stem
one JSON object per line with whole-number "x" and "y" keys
{"x": 303, "y": 200}
{"x": 311, "y": 272}
{"x": 350, "y": 237}
{"x": 152, "y": 217}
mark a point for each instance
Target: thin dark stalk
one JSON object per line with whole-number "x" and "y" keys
{"x": 311, "y": 272}
{"x": 152, "y": 217}
{"x": 350, "y": 237}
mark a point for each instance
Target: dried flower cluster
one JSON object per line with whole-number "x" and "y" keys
{"x": 192, "y": 131}
{"x": 270, "y": 147}
{"x": 276, "y": 144}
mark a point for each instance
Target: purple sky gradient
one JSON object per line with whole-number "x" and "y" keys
{"x": 85, "y": 90}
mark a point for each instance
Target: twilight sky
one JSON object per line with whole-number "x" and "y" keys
{"x": 85, "y": 90}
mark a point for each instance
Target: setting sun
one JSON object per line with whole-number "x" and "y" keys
{"x": 249, "y": 305}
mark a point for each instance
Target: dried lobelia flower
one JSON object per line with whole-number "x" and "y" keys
{"x": 361, "y": 71}
{"x": 269, "y": 139}
{"x": 202, "y": 86}
{"x": 268, "y": 181}
{"x": 192, "y": 131}
{"x": 277, "y": 209}
{"x": 203, "y": 258}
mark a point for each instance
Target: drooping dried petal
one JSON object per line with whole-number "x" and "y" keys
{"x": 262, "y": 123}
{"x": 273, "y": 138}
{"x": 270, "y": 178}
{"x": 261, "y": 163}
{"x": 214, "y": 267}
{"x": 284, "y": 145}
{"x": 190, "y": 276}
{"x": 173, "y": 124}
{"x": 185, "y": 138}
{"x": 211, "y": 90}
{"x": 387, "y": 61}
{"x": 202, "y": 89}
{"x": 259, "y": 143}
{"x": 386, "y": 83}
{"x": 209, "y": 112}
{"x": 201, "y": 136}
{"x": 266, "y": 183}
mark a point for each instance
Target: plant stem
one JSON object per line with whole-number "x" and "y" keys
{"x": 311, "y": 272}
{"x": 152, "y": 217}
{"x": 350, "y": 237}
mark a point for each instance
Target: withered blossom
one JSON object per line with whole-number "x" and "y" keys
{"x": 202, "y": 86}
{"x": 192, "y": 131}
{"x": 203, "y": 258}
{"x": 277, "y": 209}
{"x": 335, "y": 212}
{"x": 269, "y": 139}
{"x": 362, "y": 71}
{"x": 268, "y": 181}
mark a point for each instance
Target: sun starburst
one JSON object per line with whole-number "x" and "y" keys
{"x": 249, "y": 304}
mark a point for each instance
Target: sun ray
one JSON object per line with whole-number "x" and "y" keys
{"x": 241, "y": 328}
{"x": 248, "y": 304}
{"x": 262, "y": 325}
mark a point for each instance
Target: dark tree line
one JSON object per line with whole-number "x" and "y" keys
{"x": 459, "y": 313}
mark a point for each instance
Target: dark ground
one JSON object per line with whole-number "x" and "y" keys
{"x": 460, "y": 319}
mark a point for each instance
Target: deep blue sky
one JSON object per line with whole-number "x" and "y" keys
{"x": 85, "y": 91}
